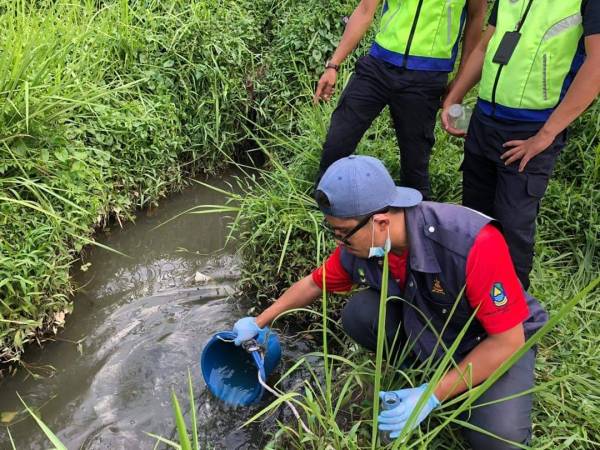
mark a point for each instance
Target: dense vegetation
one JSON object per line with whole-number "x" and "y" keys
{"x": 106, "y": 106}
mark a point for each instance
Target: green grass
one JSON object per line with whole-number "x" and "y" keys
{"x": 58, "y": 445}
{"x": 82, "y": 138}
{"x": 106, "y": 107}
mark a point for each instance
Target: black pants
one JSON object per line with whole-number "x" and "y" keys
{"x": 413, "y": 97}
{"x": 508, "y": 419}
{"x": 500, "y": 191}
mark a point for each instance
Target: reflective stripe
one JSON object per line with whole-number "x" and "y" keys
{"x": 490, "y": 218}
{"x": 545, "y": 76}
{"x": 563, "y": 25}
{"x": 412, "y": 62}
{"x": 428, "y": 29}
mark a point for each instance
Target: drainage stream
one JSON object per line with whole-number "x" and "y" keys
{"x": 139, "y": 323}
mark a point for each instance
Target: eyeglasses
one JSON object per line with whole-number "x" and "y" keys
{"x": 345, "y": 239}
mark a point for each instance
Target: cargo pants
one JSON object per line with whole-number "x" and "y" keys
{"x": 502, "y": 192}
{"x": 413, "y": 97}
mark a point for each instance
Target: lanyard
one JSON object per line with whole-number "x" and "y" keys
{"x": 522, "y": 20}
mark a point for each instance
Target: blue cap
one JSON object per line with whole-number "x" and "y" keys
{"x": 361, "y": 185}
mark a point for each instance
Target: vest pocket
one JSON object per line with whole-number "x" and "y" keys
{"x": 438, "y": 293}
{"x": 553, "y": 64}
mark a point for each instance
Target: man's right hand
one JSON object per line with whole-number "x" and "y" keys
{"x": 444, "y": 117}
{"x": 326, "y": 86}
{"x": 245, "y": 329}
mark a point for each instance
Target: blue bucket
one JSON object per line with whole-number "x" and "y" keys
{"x": 231, "y": 371}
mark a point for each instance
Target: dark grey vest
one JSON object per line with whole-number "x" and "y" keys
{"x": 440, "y": 237}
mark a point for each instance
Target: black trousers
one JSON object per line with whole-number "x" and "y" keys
{"x": 413, "y": 97}
{"x": 508, "y": 419}
{"x": 502, "y": 192}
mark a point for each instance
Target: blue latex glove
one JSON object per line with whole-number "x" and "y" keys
{"x": 245, "y": 329}
{"x": 394, "y": 420}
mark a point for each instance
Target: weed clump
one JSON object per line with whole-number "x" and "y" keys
{"x": 106, "y": 107}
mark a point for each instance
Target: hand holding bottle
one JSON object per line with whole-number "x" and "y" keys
{"x": 450, "y": 113}
{"x": 394, "y": 420}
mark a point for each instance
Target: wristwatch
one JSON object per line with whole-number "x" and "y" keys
{"x": 330, "y": 65}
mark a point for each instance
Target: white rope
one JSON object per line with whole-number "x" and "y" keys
{"x": 276, "y": 394}
{"x": 287, "y": 402}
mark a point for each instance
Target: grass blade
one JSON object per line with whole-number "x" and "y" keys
{"x": 184, "y": 439}
{"x": 193, "y": 411}
{"x": 49, "y": 434}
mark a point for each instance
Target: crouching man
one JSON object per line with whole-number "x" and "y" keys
{"x": 435, "y": 250}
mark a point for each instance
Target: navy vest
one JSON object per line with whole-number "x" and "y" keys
{"x": 440, "y": 237}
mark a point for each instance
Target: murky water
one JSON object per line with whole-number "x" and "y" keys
{"x": 139, "y": 324}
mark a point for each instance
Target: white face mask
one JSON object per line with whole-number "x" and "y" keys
{"x": 379, "y": 252}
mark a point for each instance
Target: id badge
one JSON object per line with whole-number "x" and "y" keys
{"x": 507, "y": 47}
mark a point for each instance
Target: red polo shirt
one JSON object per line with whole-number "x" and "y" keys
{"x": 488, "y": 266}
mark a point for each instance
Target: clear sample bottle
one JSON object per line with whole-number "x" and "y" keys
{"x": 389, "y": 401}
{"x": 459, "y": 116}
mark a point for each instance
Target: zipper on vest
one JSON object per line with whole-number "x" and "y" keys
{"x": 494, "y": 89}
{"x": 554, "y": 30}
{"x": 412, "y": 33}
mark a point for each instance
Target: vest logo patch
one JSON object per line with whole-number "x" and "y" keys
{"x": 437, "y": 287}
{"x": 498, "y": 296}
{"x": 362, "y": 276}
